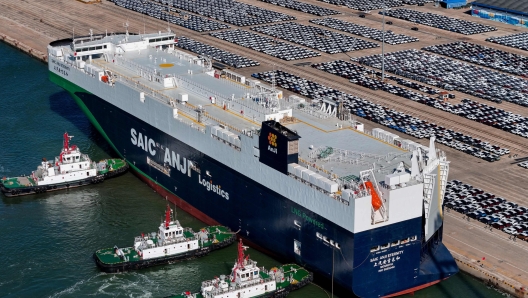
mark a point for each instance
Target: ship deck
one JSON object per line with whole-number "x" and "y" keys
{"x": 315, "y": 129}
{"x": 18, "y": 182}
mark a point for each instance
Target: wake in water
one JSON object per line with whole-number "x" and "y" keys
{"x": 131, "y": 284}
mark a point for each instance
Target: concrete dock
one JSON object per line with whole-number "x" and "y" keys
{"x": 487, "y": 254}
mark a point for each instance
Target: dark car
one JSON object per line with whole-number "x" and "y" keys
{"x": 388, "y": 22}
{"x": 414, "y": 28}
{"x": 361, "y": 15}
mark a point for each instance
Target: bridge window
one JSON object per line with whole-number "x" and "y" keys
{"x": 385, "y": 246}
{"x": 394, "y": 243}
{"x": 375, "y": 248}
{"x": 413, "y": 238}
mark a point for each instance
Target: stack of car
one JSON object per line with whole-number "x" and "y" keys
{"x": 316, "y": 38}
{"x": 479, "y": 112}
{"x": 518, "y": 40}
{"x": 439, "y": 21}
{"x": 485, "y": 207}
{"x": 175, "y": 16}
{"x": 304, "y": 7}
{"x": 489, "y": 57}
{"x": 440, "y": 71}
{"x": 230, "y": 11}
{"x": 215, "y": 53}
{"x": 368, "y": 5}
{"x": 377, "y": 113}
{"x": 264, "y": 44}
{"x": 364, "y": 31}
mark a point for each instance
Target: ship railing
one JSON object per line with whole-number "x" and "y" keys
{"x": 164, "y": 99}
{"x": 331, "y": 195}
{"x": 257, "y": 281}
{"x": 139, "y": 69}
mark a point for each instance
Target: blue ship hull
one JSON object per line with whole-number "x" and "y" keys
{"x": 271, "y": 221}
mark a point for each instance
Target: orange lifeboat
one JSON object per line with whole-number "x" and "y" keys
{"x": 376, "y": 200}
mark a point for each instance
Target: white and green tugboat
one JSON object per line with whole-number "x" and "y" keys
{"x": 171, "y": 243}
{"x": 70, "y": 169}
{"x": 249, "y": 281}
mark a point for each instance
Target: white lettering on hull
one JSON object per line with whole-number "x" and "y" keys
{"x": 173, "y": 159}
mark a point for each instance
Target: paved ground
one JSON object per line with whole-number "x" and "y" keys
{"x": 36, "y": 23}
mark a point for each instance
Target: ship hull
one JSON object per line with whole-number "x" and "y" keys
{"x": 265, "y": 218}
{"x": 38, "y": 189}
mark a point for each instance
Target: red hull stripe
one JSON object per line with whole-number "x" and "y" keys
{"x": 412, "y": 290}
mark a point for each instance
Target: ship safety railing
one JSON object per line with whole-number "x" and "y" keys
{"x": 135, "y": 67}
{"x": 162, "y": 98}
{"x": 219, "y": 291}
{"x": 336, "y": 196}
{"x": 227, "y": 143}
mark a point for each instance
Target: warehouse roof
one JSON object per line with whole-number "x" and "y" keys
{"x": 511, "y": 6}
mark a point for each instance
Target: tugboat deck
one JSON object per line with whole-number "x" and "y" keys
{"x": 109, "y": 255}
{"x": 17, "y": 182}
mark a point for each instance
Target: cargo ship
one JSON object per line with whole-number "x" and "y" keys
{"x": 70, "y": 169}
{"x": 299, "y": 179}
{"x": 171, "y": 243}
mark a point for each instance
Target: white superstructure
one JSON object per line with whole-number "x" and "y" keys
{"x": 69, "y": 167}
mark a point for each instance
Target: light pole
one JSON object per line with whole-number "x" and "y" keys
{"x": 383, "y": 45}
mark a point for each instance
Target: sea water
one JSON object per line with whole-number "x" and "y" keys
{"x": 47, "y": 241}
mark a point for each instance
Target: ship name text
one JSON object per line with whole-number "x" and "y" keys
{"x": 60, "y": 67}
{"x": 387, "y": 261}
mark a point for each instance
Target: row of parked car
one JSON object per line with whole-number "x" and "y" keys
{"x": 489, "y": 57}
{"x": 317, "y": 38}
{"x": 374, "y": 112}
{"x": 264, "y": 44}
{"x": 304, "y": 7}
{"x": 364, "y": 31}
{"x": 362, "y": 76}
{"x": 180, "y": 18}
{"x": 479, "y": 112}
{"x": 485, "y": 207}
{"x": 215, "y": 53}
{"x": 446, "y": 72}
{"x": 518, "y": 40}
{"x": 439, "y": 21}
{"x": 230, "y": 11}
{"x": 368, "y": 5}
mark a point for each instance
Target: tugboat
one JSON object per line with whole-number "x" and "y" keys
{"x": 247, "y": 280}
{"x": 171, "y": 243}
{"x": 70, "y": 169}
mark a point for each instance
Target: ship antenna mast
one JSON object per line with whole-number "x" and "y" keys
{"x": 240, "y": 260}
{"x": 126, "y": 30}
{"x": 167, "y": 217}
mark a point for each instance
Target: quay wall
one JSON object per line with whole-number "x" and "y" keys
{"x": 489, "y": 277}
{"x": 24, "y": 48}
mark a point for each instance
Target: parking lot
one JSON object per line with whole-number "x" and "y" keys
{"x": 265, "y": 45}
{"x": 485, "y": 207}
{"x": 518, "y": 40}
{"x": 439, "y": 21}
{"x": 433, "y": 97}
{"x": 364, "y": 31}
{"x": 451, "y": 74}
{"x": 303, "y": 7}
{"x": 367, "y": 6}
{"x": 180, "y": 18}
{"x": 215, "y": 53}
{"x": 316, "y": 38}
{"x": 485, "y": 56}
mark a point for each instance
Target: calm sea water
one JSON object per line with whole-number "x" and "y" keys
{"x": 47, "y": 241}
